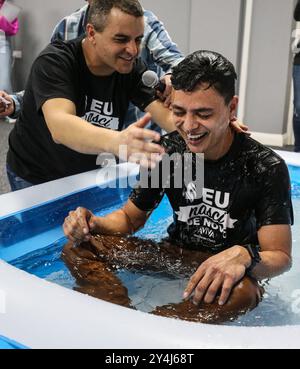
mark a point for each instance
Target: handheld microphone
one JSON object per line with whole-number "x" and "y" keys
{"x": 150, "y": 79}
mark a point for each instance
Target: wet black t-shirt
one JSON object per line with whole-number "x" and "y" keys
{"x": 246, "y": 189}
{"x": 60, "y": 71}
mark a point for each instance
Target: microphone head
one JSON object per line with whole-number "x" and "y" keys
{"x": 150, "y": 79}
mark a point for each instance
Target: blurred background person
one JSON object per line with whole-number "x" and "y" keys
{"x": 8, "y": 28}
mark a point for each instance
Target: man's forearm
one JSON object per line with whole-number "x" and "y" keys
{"x": 272, "y": 264}
{"x": 80, "y": 136}
{"x": 115, "y": 223}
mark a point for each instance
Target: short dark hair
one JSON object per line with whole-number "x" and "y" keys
{"x": 100, "y": 9}
{"x": 205, "y": 66}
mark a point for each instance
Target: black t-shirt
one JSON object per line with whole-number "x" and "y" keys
{"x": 246, "y": 189}
{"x": 60, "y": 71}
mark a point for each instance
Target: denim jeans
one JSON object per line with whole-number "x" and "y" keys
{"x": 5, "y": 63}
{"x": 16, "y": 183}
{"x": 296, "y": 120}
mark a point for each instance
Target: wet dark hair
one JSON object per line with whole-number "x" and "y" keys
{"x": 205, "y": 66}
{"x": 100, "y": 9}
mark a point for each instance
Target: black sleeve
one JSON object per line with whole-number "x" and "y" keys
{"x": 146, "y": 195}
{"x": 297, "y": 12}
{"x": 141, "y": 96}
{"x": 52, "y": 77}
{"x": 274, "y": 205}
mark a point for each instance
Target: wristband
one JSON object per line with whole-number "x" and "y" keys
{"x": 254, "y": 254}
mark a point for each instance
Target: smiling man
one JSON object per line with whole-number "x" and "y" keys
{"x": 241, "y": 216}
{"x": 77, "y": 97}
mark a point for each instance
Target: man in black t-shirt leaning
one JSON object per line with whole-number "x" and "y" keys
{"x": 243, "y": 213}
{"x": 77, "y": 96}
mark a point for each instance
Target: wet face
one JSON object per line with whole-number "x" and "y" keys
{"x": 202, "y": 118}
{"x": 118, "y": 46}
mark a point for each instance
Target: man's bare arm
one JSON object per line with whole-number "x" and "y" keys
{"x": 75, "y": 133}
{"x": 82, "y": 223}
{"x": 276, "y": 247}
{"x": 71, "y": 131}
{"x": 227, "y": 268}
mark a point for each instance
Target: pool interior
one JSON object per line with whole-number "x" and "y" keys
{"x": 33, "y": 240}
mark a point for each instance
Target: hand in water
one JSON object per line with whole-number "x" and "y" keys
{"x": 220, "y": 272}
{"x": 79, "y": 226}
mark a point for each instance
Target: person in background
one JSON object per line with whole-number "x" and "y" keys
{"x": 102, "y": 75}
{"x": 77, "y": 97}
{"x": 158, "y": 52}
{"x": 7, "y": 29}
{"x": 296, "y": 79}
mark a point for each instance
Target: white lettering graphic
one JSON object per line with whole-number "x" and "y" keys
{"x": 211, "y": 217}
{"x": 101, "y": 114}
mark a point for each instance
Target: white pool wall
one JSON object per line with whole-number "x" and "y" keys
{"x": 39, "y": 314}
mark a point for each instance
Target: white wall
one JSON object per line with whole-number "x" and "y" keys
{"x": 270, "y": 62}
{"x": 37, "y": 21}
{"x": 201, "y": 24}
{"x": 175, "y": 14}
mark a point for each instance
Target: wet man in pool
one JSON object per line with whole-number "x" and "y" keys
{"x": 239, "y": 220}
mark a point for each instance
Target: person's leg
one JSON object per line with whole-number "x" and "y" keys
{"x": 244, "y": 297}
{"x": 296, "y": 118}
{"x": 92, "y": 264}
{"x": 93, "y": 275}
{"x": 16, "y": 183}
{"x": 5, "y": 63}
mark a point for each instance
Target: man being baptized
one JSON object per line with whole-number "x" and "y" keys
{"x": 230, "y": 230}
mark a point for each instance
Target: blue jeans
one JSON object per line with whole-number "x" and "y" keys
{"x": 5, "y": 63}
{"x": 16, "y": 183}
{"x": 296, "y": 120}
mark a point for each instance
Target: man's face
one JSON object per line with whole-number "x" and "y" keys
{"x": 202, "y": 118}
{"x": 118, "y": 46}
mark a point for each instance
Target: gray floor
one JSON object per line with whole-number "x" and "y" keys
{"x": 5, "y": 128}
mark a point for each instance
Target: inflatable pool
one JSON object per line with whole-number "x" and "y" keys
{"x": 40, "y": 314}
